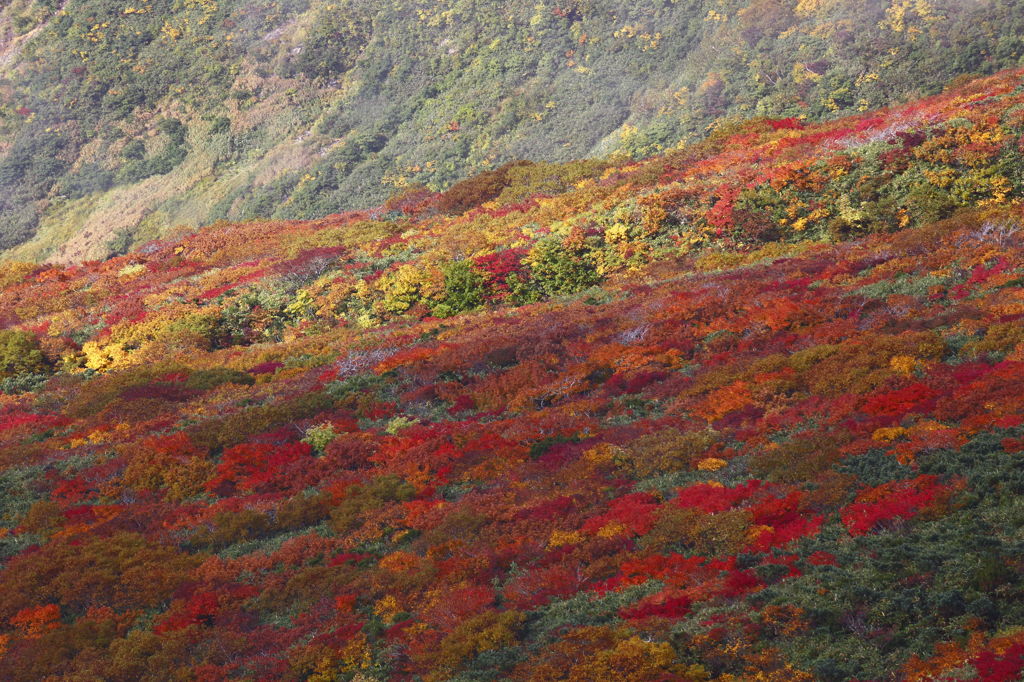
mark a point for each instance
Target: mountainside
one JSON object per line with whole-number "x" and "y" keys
{"x": 748, "y": 410}
{"x": 121, "y": 121}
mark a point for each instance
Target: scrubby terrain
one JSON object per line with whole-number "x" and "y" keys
{"x": 748, "y": 410}
{"x": 122, "y": 120}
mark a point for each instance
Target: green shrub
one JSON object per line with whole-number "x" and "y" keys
{"x": 463, "y": 290}
{"x": 22, "y": 383}
{"x": 20, "y": 354}
{"x": 558, "y": 269}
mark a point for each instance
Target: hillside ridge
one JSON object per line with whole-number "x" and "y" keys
{"x": 121, "y": 122}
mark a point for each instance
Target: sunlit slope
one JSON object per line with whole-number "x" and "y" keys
{"x": 749, "y": 410}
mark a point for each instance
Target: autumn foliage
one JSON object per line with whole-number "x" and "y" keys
{"x": 608, "y": 432}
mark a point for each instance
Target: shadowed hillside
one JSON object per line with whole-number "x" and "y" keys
{"x": 120, "y": 121}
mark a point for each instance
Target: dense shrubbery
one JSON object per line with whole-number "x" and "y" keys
{"x": 20, "y": 354}
{"x": 601, "y": 432}
{"x": 139, "y": 166}
{"x": 473, "y": 191}
{"x": 303, "y": 109}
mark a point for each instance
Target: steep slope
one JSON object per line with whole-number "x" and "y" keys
{"x": 120, "y": 121}
{"x": 749, "y": 410}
